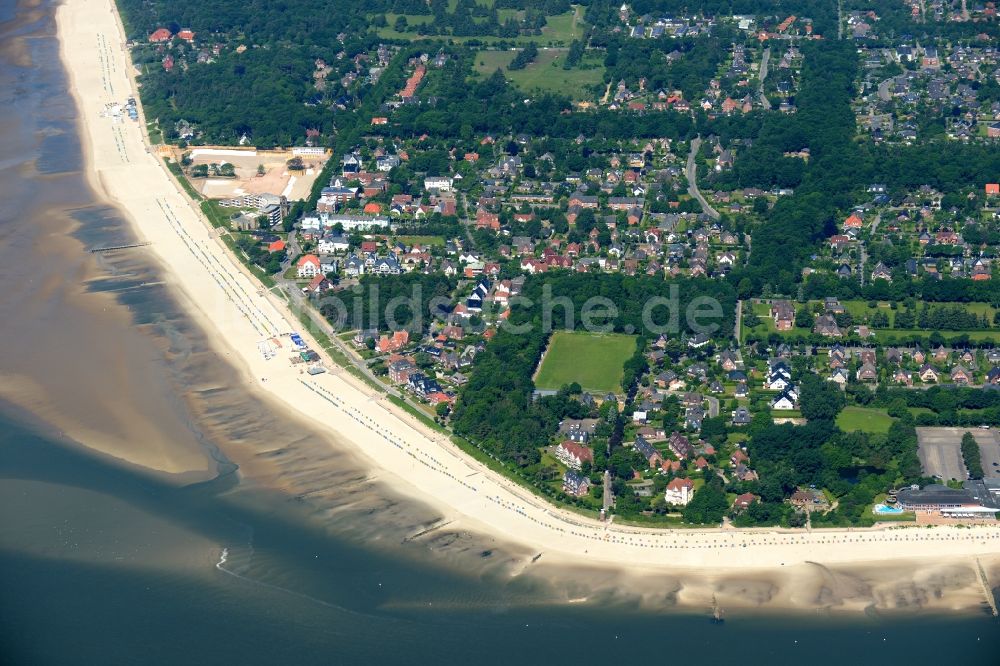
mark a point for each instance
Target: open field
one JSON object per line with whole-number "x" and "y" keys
{"x": 594, "y": 361}
{"x": 421, "y": 240}
{"x": 859, "y": 308}
{"x": 866, "y": 420}
{"x": 885, "y": 334}
{"x": 546, "y": 73}
{"x": 560, "y": 29}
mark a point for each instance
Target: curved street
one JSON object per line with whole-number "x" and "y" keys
{"x": 692, "y": 177}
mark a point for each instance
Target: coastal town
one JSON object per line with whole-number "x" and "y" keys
{"x": 856, "y": 383}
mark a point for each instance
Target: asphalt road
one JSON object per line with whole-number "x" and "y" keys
{"x": 765, "y": 102}
{"x": 692, "y": 177}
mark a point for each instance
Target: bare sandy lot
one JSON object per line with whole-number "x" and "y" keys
{"x": 941, "y": 454}
{"x": 276, "y": 179}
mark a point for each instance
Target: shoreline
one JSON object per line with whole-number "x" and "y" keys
{"x": 237, "y": 313}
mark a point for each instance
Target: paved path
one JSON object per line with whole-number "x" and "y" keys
{"x": 692, "y": 176}
{"x": 883, "y": 90}
{"x": 739, "y": 317}
{"x": 764, "y": 101}
{"x": 713, "y": 406}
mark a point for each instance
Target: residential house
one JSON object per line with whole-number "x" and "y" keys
{"x": 961, "y": 375}
{"x": 648, "y": 451}
{"x": 881, "y": 272}
{"x": 741, "y": 416}
{"x": 573, "y": 454}
{"x": 867, "y": 373}
{"x": 827, "y": 326}
{"x": 679, "y": 491}
{"x": 927, "y": 373}
{"x": 784, "y": 401}
{"x": 575, "y": 484}
{"x": 839, "y": 377}
{"x": 680, "y": 445}
{"x": 395, "y": 342}
{"x": 308, "y": 266}
{"x": 400, "y": 371}
{"x": 783, "y": 314}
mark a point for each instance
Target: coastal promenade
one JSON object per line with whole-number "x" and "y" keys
{"x": 416, "y": 461}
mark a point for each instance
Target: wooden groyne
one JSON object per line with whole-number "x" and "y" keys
{"x": 112, "y": 248}
{"x": 990, "y": 599}
{"x": 427, "y": 531}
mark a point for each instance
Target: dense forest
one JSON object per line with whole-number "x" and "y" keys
{"x": 797, "y": 223}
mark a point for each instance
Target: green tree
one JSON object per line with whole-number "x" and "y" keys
{"x": 819, "y": 400}
{"x": 971, "y": 454}
{"x": 708, "y": 505}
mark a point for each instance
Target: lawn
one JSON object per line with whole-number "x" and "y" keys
{"x": 864, "y": 419}
{"x": 887, "y": 335}
{"x": 560, "y": 29}
{"x": 859, "y": 308}
{"x": 421, "y": 240}
{"x": 595, "y": 361}
{"x": 546, "y": 73}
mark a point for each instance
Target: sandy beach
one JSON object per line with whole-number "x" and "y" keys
{"x": 415, "y": 461}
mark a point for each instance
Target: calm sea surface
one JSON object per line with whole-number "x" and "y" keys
{"x": 104, "y": 563}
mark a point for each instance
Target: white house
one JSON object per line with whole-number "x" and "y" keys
{"x": 354, "y": 266}
{"x": 309, "y": 266}
{"x": 333, "y": 244}
{"x": 679, "y": 491}
{"x": 353, "y": 222}
{"x": 783, "y": 401}
{"x": 441, "y": 183}
{"x": 778, "y": 382}
{"x": 311, "y": 223}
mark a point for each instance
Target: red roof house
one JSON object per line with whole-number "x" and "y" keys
{"x": 160, "y": 35}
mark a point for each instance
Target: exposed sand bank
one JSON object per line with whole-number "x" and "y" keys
{"x": 422, "y": 464}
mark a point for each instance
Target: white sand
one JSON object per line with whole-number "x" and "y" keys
{"x": 228, "y": 304}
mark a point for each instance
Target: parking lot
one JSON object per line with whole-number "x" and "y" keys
{"x": 989, "y": 445}
{"x": 941, "y": 454}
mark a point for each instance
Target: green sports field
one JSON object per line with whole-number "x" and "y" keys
{"x": 594, "y": 361}
{"x": 866, "y": 420}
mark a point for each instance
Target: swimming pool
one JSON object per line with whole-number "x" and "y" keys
{"x": 886, "y": 510}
